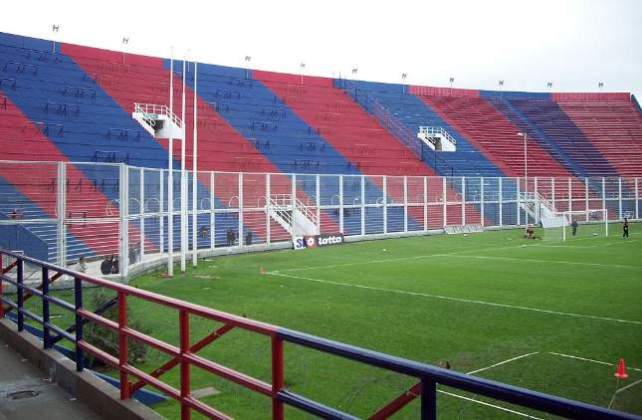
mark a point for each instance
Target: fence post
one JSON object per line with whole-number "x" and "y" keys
{"x": 405, "y": 203}
{"x": 341, "y": 204}
{"x": 619, "y": 195}
{"x": 277, "y": 377}
{"x": 293, "y": 202}
{"x": 553, "y": 193}
{"x": 61, "y": 211}
{"x": 500, "y": 199}
{"x": 318, "y": 201}
{"x": 20, "y": 292}
{"x": 1, "y": 285}
{"x": 570, "y": 194}
{"x": 428, "y": 399}
{"x": 385, "y": 204}
{"x": 79, "y": 323}
{"x": 123, "y": 350}
{"x": 186, "y": 412}
{"x": 141, "y": 208}
{"x": 161, "y": 209}
{"x": 124, "y": 220}
{"x": 363, "y": 205}
{"x": 463, "y": 200}
{"x": 425, "y": 203}
{"x": 213, "y": 211}
{"x": 46, "y": 331}
{"x": 481, "y": 201}
{"x": 241, "y": 222}
{"x": 444, "y": 199}
{"x": 268, "y": 232}
{"x": 603, "y": 193}
{"x": 637, "y": 206}
{"x": 519, "y": 213}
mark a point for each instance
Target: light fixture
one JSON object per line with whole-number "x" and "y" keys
{"x": 125, "y": 40}
{"x": 549, "y": 85}
{"x": 501, "y": 83}
{"x": 55, "y": 27}
{"x": 403, "y": 76}
{"x": 302, "y": 65}
{"x": 355, "y": 70}
{"x": 248, "y": 58}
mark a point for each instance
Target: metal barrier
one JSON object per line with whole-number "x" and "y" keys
{"x": 185, "y": 355}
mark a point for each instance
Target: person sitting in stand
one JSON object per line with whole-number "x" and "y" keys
{"x": 15, "y": 214}
{"x": 107, "y": 265}
{"x": 82, "y": 264}
{"x": 115, "y": 268}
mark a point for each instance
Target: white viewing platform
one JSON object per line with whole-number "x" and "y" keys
{"x": 437, "y": 138}
{"x": 158, "y": 120}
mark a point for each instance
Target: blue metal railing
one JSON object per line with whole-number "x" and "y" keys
{"x": 428, "y": 376}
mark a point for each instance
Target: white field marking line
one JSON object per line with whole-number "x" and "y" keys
{"x": 455, "y": 299}
{"x": 501, "y": 363}
{"x": 535, "y": 260}
{"x": 414, "y": 257}
{"x": 624, "y": 388}
{"x": 489, "y": 404}
{"x": 590, "y": 360}
{"x": 579, "y": 248}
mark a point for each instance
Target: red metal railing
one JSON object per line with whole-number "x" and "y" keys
{"x": 185, "y": 354}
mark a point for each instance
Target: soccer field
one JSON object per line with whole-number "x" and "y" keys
{"x": 546, "y": 315}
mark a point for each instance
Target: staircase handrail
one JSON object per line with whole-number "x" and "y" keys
{"x": 392, "y": 124}
{"x": 149, "y": 110}
{"x": 306, "y": 211}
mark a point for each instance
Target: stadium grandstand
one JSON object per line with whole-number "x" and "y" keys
{"x": 117, "y": 166}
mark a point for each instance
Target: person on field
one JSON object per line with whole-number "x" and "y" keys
{"x": 574, "y": 227}
{"x": 625, "y": 228}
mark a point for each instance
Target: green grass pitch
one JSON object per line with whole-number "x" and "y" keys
{"x": 548, "y": 315}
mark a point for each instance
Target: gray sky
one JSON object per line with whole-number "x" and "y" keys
{"x": 573, "y": 43}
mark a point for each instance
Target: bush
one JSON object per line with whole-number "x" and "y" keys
{"x": 107, "y": 340}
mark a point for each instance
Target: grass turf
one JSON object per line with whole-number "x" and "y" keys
{"x": 473, "y": 301}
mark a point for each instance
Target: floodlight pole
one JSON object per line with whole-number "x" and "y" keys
{"x": 195, "y": 170}
{"x": 170, "y": 178}
{"x": 183, "y": 183}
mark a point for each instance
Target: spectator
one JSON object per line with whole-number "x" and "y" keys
{"x": 82, "y": 264}
{"x": 15, "y": 214}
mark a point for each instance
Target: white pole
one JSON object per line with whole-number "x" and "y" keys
{"x": 195, "y": 170}
{"x": 170, "y": 178}
{"x": 183, "y": 182}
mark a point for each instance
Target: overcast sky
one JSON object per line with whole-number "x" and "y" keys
{"x": 573, "y": 43}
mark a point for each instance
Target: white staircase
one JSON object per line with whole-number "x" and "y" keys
{"x": 294, "y": 217}
{"x": 541, "y": 210}
{"x": 158, "y": 120}
{"x": 437, "y": 138}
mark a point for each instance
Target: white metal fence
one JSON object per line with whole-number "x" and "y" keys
{"x": 86, "y": 212}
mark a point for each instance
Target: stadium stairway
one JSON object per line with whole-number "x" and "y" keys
{"x": 556, "y": 133}
{"x": 409, "y": 110}
{"x": 356, "y": 135}
{"x": 612, "y": 124}
{"x": 257, "y": 114}
{"x": 35, "y": 189}
{"x": 221, "y": 147}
